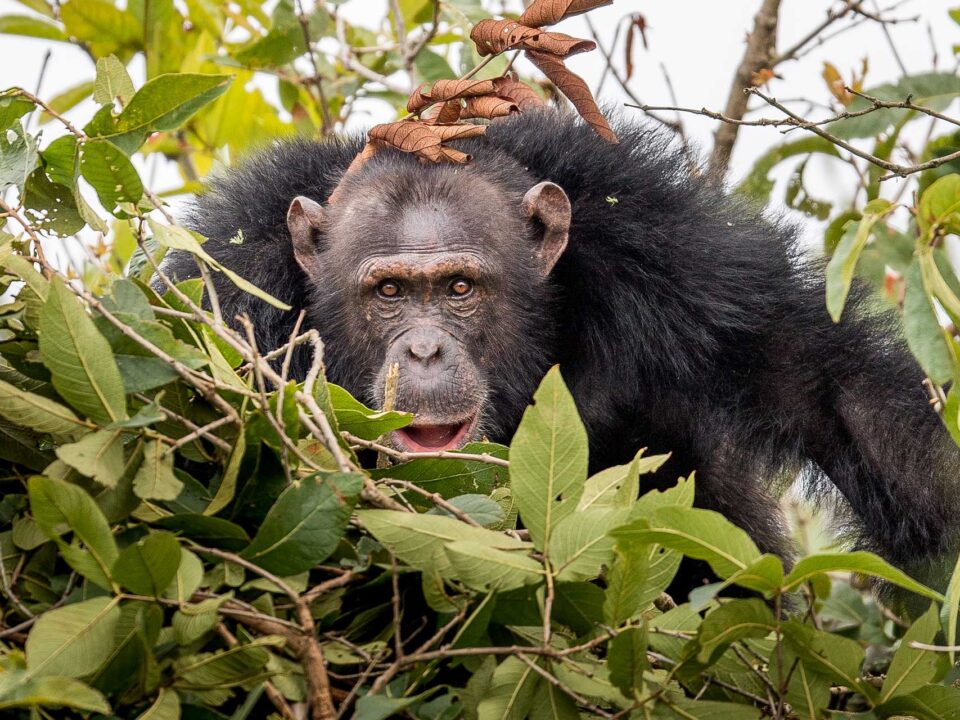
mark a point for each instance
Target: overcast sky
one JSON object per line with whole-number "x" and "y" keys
{"x": 699, "y": 42}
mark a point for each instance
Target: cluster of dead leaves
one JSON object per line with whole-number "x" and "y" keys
{"x": 439, "y": 111}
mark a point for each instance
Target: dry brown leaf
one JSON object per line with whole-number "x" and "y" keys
{"x": 835, "y": 83}
{"x": 407, "y": 135}
{"x": 549, "y": 12}
{"x": 496, "y": 36}
{"x": 452, "y": 89}
{"x": 452, "y": 155}
{"x": 762, "y": 76}
{"x": 443, "y": 104}
{"x": 447, "y": 90}
{"x": 576, "y": 91}
{"x": 559, "y": 44}
{"x": 488, "y": 107}
{"x": 638, "y": 25}
{"x": 458, "y": 131}
{"x": 518, "y": 92}
{"x": 419, "y": 98}
{"x": 423, "y": 140}
{"x": 449, "y": 112}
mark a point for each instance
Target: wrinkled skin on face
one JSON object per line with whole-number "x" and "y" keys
{"x": 434, "y": 273}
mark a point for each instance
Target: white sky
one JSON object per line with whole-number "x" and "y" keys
{"x": 699, "y": 42}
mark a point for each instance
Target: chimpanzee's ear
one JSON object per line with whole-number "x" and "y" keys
{"x": 305, "y": 218}
{"x": 548, "y": 204}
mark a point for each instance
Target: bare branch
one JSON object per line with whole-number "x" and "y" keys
{"x": 761, "y": 46}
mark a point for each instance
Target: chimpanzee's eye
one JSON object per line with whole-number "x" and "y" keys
{"x": 388, "y": 289}
{"x": 461, "y": 287}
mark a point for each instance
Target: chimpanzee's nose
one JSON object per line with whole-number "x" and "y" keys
{"x": 424, "y": 345}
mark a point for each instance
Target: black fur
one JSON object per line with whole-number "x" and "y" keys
{"x": 681, "y": 319}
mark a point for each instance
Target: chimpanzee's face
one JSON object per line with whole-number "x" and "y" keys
{"x": 429, "y": 273}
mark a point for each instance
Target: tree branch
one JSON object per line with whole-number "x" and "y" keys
{"x": 761, "y": 46}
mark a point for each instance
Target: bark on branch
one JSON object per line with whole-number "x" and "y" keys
{"x": 761, "y": 48}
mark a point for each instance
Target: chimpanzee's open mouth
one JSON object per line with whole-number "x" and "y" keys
{"x": 433, "y": 438}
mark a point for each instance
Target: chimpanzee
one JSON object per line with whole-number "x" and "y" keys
{"x": 681, "y": 319}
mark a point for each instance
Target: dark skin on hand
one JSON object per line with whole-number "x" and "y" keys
{"x": 683, "y": 321}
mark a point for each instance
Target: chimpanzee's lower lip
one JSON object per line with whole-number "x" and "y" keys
{"x": 433, "y": 438}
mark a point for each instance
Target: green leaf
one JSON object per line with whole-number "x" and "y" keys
{"x": 732, "y": 622}
{"x": 178, "y": 238}
{"x": 18, "y": 156}
{"x": 430, "y": 66}
{"x": 935, "y": 90}
{"x": 141, "y": 369}
{"x": 193, "y": 621}
{"x": 764, "y": 575}
{"x": 38, "y": 413}
{"x": 860, "y": 561}
{"x": 113, "y": 83}
{"x": 149, "y": 565}
{"x": 357, "y": 419}
{"x": 58, "y": 506}
{"x": 630, "y": 583}
{"x": 548, "y": 459}
{"x": 187, "y": 580}
{"x": 680, "y": 495}
{"x": 305, "y": 524}
{"x": 925, "y": 337}
{"x": 690, "y": 709}
{"x": 478, "y": 508}
{"x": 73, "y": 640}
{"x": 165, "y": 707}
{"x": 939, "y": 206}
{"x": 79, "y": 358}
{"x": 627, "y": 659}
{"x": 155, "y": 480}
{"x": 933, "y": 702}
{"x": 97, "y": 455}
{"x": 419, "y": 540}
{"x": 579, "y": 606}
{"x": 281, "y": 45}
{"x": 12, "y": 108}
{"x": 381, "y": 707}
{"x": 951, "y": 608}
{"x": 484, "y": 568}
{"x": 207, "y": 530}
{"x": 757, "y": 185}
{"x": 912, "y": 668}
{"x": 701, "y": 534}
{"x": 552, "y": 703}
{"x": 618, "y": 486}
{"x": 103, "y": 26}
{"x": 110, "y": 173}
{"x": 168, "y": 101}
{"x": 511, "y": 692}
{"x": 228, "y": 483}
{"x": 835, "y": 656}
{"x": 52, "y": 206}
{"x": 238, "y": 665}
{"x": 841, "y": 267}
{"x": 18, "y": 690}
{"x": 580, "y": 545}
{"x": 29, "y": 26}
